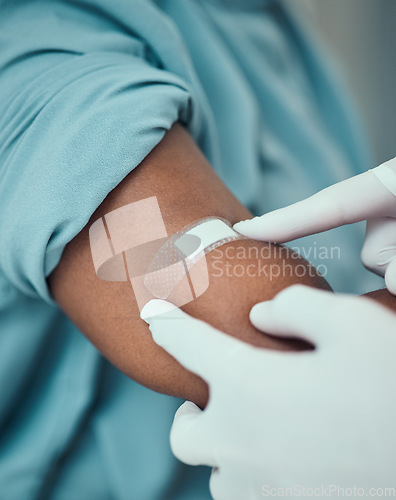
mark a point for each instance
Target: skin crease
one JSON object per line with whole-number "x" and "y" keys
{"x": 106, "y": 312}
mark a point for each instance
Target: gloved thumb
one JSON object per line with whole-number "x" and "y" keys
{"x": 296, "y": 312}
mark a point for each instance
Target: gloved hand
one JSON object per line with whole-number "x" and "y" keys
{"x": 370, "y": 196}
{"x": 277, "y": 419}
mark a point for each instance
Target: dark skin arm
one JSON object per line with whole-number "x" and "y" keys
{"x": 106, "y": 312}
{"x": 383, "y": 297}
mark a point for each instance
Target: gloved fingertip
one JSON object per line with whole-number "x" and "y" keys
{"x": 155, "y": 307}
{"x": 188, "y": 408}
{"x": 258, "y": 312}
{"x": 239, "y": 226}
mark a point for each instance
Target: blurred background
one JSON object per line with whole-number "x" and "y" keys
{"x": 362, "y": 37}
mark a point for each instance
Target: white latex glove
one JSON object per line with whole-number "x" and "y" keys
{"x": 276, "y": 419}
{"x": 370, "y": 196}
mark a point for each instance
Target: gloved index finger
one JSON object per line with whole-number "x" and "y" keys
{"x": 355, "y": 199}
{"x": 198, "y": 346}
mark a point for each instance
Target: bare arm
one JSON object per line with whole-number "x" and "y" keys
{"x": 383, "y": 297}
{"x": 187, "y": 189}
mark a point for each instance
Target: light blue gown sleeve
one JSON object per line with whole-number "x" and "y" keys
{"x": 73, "y": 124}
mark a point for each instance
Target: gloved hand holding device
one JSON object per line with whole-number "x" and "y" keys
{"x": 369, "y": 196}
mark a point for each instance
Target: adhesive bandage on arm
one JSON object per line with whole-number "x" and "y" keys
{"x": 131, "y": 243}
{"x": 182, "y": 253}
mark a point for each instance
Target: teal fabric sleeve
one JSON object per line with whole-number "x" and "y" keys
{"x": 72, "y": 126}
